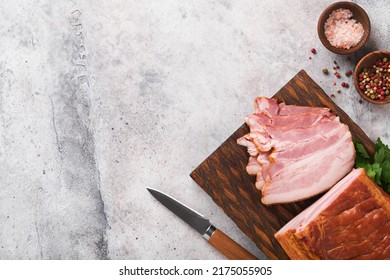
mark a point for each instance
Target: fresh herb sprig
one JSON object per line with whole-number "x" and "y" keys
{"x": 378, "y": 167}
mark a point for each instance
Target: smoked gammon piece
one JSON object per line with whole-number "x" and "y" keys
{"x": 350, "y": 221}
{"x": 295, "y": 152}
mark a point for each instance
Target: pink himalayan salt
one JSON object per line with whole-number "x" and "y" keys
{"x": 341, "y": 30}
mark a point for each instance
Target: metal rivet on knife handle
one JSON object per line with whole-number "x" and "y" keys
{"x": 209, "y": 232}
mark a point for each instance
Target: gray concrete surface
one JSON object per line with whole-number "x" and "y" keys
{"x": 101, "y": 99}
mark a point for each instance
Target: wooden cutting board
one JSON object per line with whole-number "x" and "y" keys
{"x": 223, "y": 176}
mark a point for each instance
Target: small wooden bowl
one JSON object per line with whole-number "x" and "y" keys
{"x": 366, "y": 62}
{"x": 358, "y": 14}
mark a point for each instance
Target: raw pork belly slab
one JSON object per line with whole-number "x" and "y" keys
{"x": 296, "y": 152}
{"x": 351, "y": 221}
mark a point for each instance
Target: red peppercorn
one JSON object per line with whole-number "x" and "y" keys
{"x": 309, "y": 57}
{"x": 362, "y": 86}
{"x": 332, "y": 95}
{"x": 348, "y": 73}
{"x": 344, "y": 84}
{"x": 313, "y": 50}
{"x": 338, "y": 75}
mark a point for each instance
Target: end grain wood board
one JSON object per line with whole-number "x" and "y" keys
{"x": 223, "y": 176}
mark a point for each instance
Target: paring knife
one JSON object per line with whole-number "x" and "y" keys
{"x": 214, "y": 236}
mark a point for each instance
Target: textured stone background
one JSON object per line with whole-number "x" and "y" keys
{"x": 99, "y": 100}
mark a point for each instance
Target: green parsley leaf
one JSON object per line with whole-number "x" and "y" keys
{"x": 378, "y": 169}
{"x": 362, "y": 158}
{"x": 361, "y": 150}
{"x": 379, "y": 144}
{"x": 379, "y": 155}
{"x": 370, "y": 171}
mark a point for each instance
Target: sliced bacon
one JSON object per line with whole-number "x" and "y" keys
{"x": 310, "y": 175}
{"x": 267, "y": 106}
{"x": 253, "y": 166}
{"x": 295, "y": 151}
{"x": 285, "y": 110}
{"x": 263, "y": 160}
{"x": 246, "y": 142}
{"x": 279, "y": 139}
{"x": 259, "y": 122}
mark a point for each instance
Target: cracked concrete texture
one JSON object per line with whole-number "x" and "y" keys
{"x": 100, "y": 100}
{"x": 51, "y": 195}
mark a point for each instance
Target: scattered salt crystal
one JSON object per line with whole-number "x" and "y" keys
{"x": 341, "y": 30}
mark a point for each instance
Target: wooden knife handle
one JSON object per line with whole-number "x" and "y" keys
{"x": 229, "y": 247}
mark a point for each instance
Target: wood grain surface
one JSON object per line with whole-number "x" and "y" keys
{"x": 223, "y": 176}
{"x": 228, "y": 247}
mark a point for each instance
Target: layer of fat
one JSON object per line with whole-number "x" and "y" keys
{"x": 309, "y": 214}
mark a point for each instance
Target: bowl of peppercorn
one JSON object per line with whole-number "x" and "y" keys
{"x": 372, "y": 77}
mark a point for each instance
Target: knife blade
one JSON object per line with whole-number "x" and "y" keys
{"x": 223, "y": 243}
